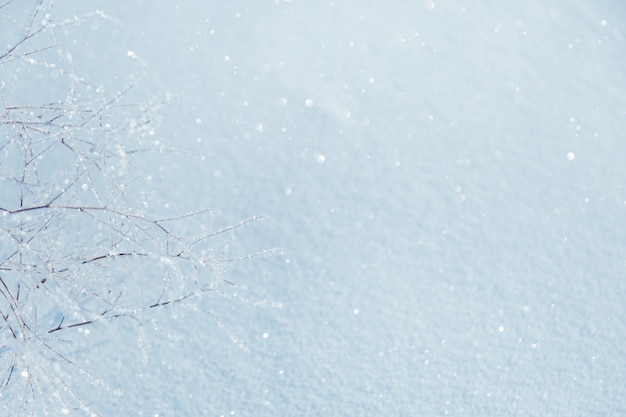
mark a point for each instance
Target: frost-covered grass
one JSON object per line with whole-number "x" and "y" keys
{"x": 84, "y": 240}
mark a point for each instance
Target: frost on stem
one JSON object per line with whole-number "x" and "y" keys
{"x": 78, "y": 243}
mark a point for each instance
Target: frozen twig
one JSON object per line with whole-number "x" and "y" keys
{"x": 79, "y": 243}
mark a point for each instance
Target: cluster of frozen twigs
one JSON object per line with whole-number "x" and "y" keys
{"x": 78, "y": 243}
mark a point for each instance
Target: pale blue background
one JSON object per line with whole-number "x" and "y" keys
{"x": 426, "y": 187}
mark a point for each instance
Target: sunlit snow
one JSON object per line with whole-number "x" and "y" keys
{"x": 435, "y": 194}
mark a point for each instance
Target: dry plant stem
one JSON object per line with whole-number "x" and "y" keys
{"x": 77, "y": 243}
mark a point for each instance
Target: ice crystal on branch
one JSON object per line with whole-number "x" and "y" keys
{"x": 79, "y": 244}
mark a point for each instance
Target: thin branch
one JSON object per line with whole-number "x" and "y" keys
{"x": 28, "y": 34}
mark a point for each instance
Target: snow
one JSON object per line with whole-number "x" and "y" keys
{"x": 446, "y": 181}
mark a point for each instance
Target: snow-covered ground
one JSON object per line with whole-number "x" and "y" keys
{"x": 446, "y": 179}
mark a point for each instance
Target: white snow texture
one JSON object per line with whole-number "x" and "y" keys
{"x": 445, "y": 178}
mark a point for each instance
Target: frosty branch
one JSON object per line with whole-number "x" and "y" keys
{"x": 81, "y": 240}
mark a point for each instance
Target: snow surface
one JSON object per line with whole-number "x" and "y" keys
{"x": 446, "y": 179}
